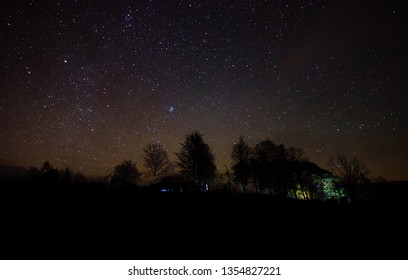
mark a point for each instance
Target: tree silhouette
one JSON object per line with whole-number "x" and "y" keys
{"x": 301, "y": 179}
{"x": 351, "y": 171}
{"x": 46, "y": 167}
{"x": 241, "y": 165}
{"x": 156, "y": 160}
{"x": 67, "y": 176}
{"x": 125, "y": 174}
{"x": 196, "y": 159}
{"x": 272, "y": 169}
{"x": 263, "y": 165}
{"x": 296, "y": 154}
{"x": 49, "y": 174}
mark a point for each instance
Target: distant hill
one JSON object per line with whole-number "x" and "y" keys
{"x": 7, "y": 171}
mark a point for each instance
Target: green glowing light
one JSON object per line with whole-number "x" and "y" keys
{"x": 329, "y": 187}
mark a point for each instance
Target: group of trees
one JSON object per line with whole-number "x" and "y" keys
{"x": 270, "y": 167}
{"x": 265, "y": 168}
{"x": 195, "y": 161}
{"x": 48, "y": 175}
{"x": 286, "y": 172}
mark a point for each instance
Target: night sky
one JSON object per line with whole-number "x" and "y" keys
{"x": 87, "y": 84}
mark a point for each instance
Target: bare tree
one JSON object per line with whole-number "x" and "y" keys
{"x": 156, "y": 160}
{"x": 351, "y": 171}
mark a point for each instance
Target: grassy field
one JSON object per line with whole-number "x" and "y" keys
{"x": 134, "y": 224}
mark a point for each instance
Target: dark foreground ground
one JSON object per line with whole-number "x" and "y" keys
{"x": 127, "y": 224}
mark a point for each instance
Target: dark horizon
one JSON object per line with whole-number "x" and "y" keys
{"x": 145, "y": 179}
{"x": 87, "y": 84}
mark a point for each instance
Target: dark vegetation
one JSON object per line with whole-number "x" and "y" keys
{"x": 273, "y": 204}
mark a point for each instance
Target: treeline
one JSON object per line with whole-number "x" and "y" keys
{"x": 267, "y": 167}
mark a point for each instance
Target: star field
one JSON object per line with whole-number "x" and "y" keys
{"x": 87, "y": 84}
